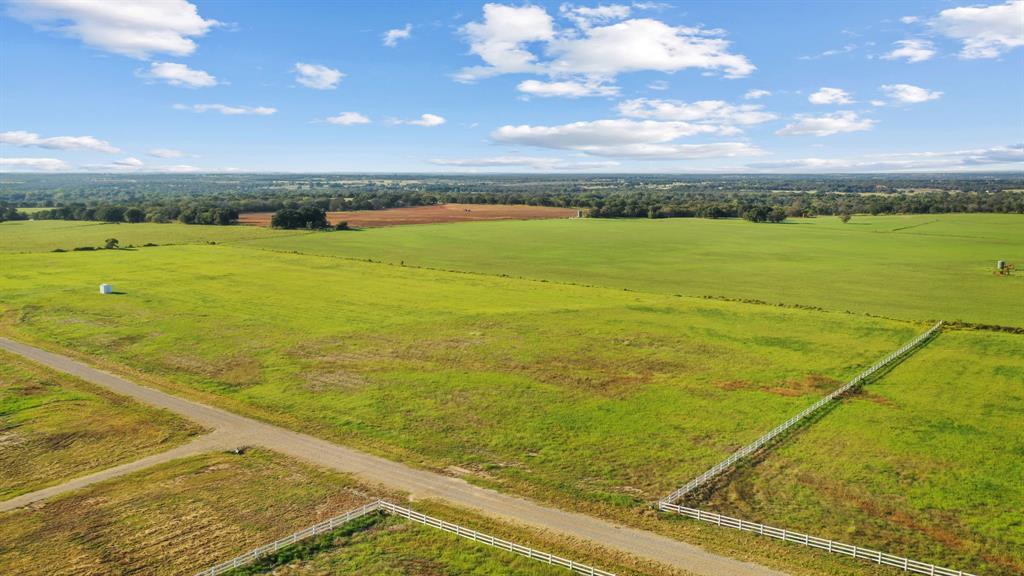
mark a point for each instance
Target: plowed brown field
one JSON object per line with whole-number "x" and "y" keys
{"x": 428, "y": 215}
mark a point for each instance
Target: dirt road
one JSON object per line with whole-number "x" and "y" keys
{"x": 229, "y": 427}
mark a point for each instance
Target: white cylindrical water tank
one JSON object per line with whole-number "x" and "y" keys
{"x": 106, "y": 289}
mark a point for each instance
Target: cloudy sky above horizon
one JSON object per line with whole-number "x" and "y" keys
{"x": 178, "y": 86}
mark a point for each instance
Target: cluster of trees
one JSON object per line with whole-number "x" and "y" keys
{"x": 184, "y": 213}
{"x": 218, "y": 199}
{"x": 309, "y": 216}
{"x": 10, "y": 212}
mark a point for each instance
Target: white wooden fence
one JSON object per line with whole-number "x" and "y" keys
{"x": 830, "y": 546}
{"x": 806, "y": 413}
{"x": 388, "y": 507}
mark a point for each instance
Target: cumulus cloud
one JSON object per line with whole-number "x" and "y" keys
{"x": 711, "y": 112}
{"x": 165, "y": 153}
{"x": 179, "y": 75}
{"x": 317, "y": 76}
{"x": 911, "y": 50}
{"x": 348, "y": 119}
{"x": 973, "y": 159}
{"x": 566, "y": 89}
{"x": 598, "y": 46}
{"x": 32, "y": 164}
{"x": 137, "y": 29}
{"x": 587, "y": 16}
{"x": 426, "y": 120}
{"x": 756, "y": 94}
{"x": 984, "y": 31}
{"x": 826, "y": 95}
{"x": 623, "y": 137}
{"x": 909, "y": 19}
{"x": 531, "y": 162}
{"x": 909, "y": 94}
{"x": 23, "y": 139}
{"x": 227, "y": 110}
{"x": 827, "y": 125}
{"x": 391, "y": 37}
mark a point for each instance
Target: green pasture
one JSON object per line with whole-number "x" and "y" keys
{"x": 926, "y": 462}
{"x": 48, "y": 235}
{"x": 55, "y": 427}
{"x": 919, "y": 267}
{"x": 566, "y": 392}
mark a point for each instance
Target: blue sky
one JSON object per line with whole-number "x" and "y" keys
{"x": 174, "y": 86}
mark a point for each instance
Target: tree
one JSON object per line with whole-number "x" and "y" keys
{"x": 845, "y": 217}
{"x": 111, "y": 244}
{"x": 135, "y": 215}
{"x": 309, "y": 216}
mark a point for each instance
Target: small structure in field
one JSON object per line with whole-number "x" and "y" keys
{"x": 1004, "y": 268}
{"x": 106, "y": 289}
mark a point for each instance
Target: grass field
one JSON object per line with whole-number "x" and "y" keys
{"x": 391, "y": 546}
{"x": 926, "y": 461}
{"x": 593, "y": 394}
{"x": 174, "y": 518}
{"x": 915, "y": 267}
{"x": 49, "y": 235}
{"x": 54, "y": 427}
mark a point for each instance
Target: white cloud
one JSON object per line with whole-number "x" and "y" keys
{"x": 511, "y": 39}
{"x": 391, "y": 37}
{"x": 129, "y": 163}
{"x": 587, "y": 16}
{"x": 958, "y": 160}
{"x": 567, "y": 89}
{"x": 914, "y": 50}
{"x": 179, "y": 75}
{"x": 531, "y": 162}
{"x": 317, "y": 76}
{"x": 705, "y": 111}
{"x": 427, "y": 120}
{"x": 32, "y": 164}
{"x": 832, "y": 52}
{"x": 755, "y": 94}
{"x": 644, "y": 44}
{"x": 348, "y": 119}
{"x": 835, "y": 123}
{"x": 501, "y": 40}
{"x": 165, "y": 153}
{"x": 826, "y": 95}
{"x": 909, "y": 94}
{"x": 228, "y": 110}
{"x": 623, "y": 137}
{"x": 877, "y": 103}
{"x": 909, "y": 19}
{"x": 658, "y": 85}
{"x": 985, "y": 31}
{"x": 136, "y": 29}
{"x": 23, "y": 138}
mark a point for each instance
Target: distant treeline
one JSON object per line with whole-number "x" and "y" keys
{"x": 218, "y": 199}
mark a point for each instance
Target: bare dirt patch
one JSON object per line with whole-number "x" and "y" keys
{"x": 428, "y": 215}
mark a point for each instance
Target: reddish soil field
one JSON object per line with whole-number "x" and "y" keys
{"x": 428, "y": 215}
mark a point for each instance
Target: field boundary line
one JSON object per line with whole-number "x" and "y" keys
{"x": 830, "y": 546}
{"x": 754, "y": 446}
{"x": 389, "y": 508}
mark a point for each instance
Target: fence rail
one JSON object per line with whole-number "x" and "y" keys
{"x": 388, "y": 507}
{"x": 807, "y": 412}
{"x": 325, "y": 526}
{"x": 830, "y": 546}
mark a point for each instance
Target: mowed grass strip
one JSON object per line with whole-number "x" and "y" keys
{"x": 920, "y": 267}
{"x": 926, "y": 462}
{"x": 49, "y": 235}
{"x": 588, "y": 396}
{"x": 175, "y": 518}
{"x": 55, "y": 427}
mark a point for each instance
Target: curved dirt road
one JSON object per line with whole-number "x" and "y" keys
{"x": 419, "y": 483}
